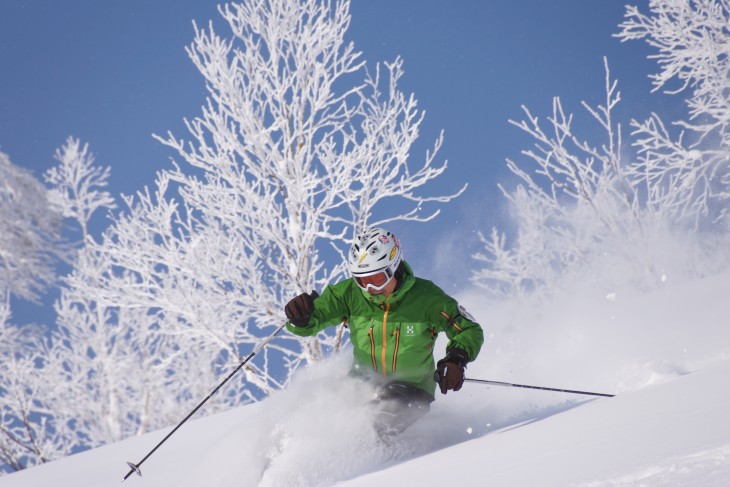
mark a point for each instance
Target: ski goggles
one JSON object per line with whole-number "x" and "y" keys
{"x": 377, "y": 281}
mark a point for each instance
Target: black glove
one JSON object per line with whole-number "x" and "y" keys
{"x": 450, "y": 370}
{"x": 299, "y": 309}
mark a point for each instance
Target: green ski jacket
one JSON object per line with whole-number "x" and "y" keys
{"x": 393, "y": 336}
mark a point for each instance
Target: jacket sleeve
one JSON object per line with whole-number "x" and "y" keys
{"x": 329, "y": 310}
{"x": 461, "y": 329}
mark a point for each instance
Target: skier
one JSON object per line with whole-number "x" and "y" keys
{"x": 394, "y": 318}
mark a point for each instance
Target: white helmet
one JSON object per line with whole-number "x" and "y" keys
{"x": 374, "y": 257}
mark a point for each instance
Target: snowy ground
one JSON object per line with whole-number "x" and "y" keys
{"x": 666, "y": 355}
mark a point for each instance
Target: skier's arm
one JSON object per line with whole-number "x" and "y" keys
{"x": 463, "y": 332}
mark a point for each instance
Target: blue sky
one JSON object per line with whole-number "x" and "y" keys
{"x": 114, "y": 73}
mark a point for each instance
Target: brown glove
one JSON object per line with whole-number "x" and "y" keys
{"x": 450, "y": 370}
{"x": 299, "y": 310}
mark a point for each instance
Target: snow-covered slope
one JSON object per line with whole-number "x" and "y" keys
{"x": 676, "y": 433}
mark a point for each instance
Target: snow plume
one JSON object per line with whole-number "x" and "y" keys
{"x": 319, "y": 432}
{"x": 316, "y": 432}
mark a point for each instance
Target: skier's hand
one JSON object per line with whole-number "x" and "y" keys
{"x": 450, "y": 370}
{"x": 299, "y": 309}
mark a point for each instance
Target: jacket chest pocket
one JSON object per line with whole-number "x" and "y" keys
{"x": 417, "y": 336}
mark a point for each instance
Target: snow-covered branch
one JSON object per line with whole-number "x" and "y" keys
{"x": 75, "y": 184}
{"x": 687, "y": 173}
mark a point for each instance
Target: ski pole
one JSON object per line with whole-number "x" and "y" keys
{"x": 134, "y": 467}
{"x": 507, "y": 384}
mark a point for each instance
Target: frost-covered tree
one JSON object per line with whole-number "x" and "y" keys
{"x": 579, "y": 202}
{"x": 298, "y": 146}
{"x": 29, "y": 233}
{"x": 32, "y": 393}
{"x": 46, "y": 410}
{"x": 22, "y": 427}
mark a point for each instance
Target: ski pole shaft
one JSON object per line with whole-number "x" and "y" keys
{"x": 507, "y": 384}
{"x": 134, "y": 467}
